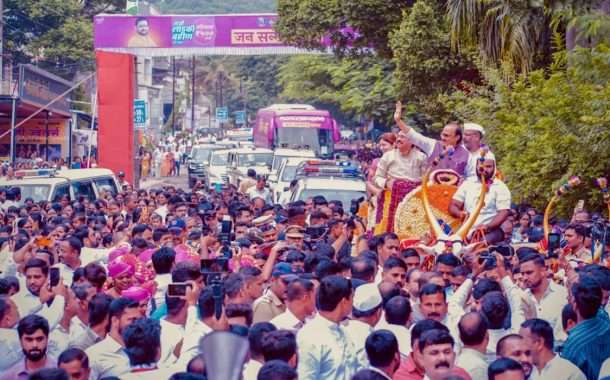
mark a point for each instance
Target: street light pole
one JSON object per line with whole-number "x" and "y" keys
{"x": 174, "y": 96}
{"x": 13, "y": 122}
{"x": 193, "y": 94}
{"x": 244, "y": 94}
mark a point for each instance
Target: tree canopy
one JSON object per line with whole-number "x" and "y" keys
{"x": 56, "y": 34}
{"x": 548, "y": 126}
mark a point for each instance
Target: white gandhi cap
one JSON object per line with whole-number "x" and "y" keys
{"x": 474, "y": 127}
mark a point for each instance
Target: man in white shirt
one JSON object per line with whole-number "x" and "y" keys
{"x": 382, "y": 353}
{"x": 255, "y": 337}
{"x": 280, "y": 345}
{"x": 473, "y": 136}
{"x": 548, "y": 297}
{"x": 496, "y": 207}
{"x": 325, "y": 350}
{"x": 97, "y": 322}
{"x": 538, "y": 335}
{"x": 366, "y": 313}
{"x": 474, "y": 337}
{"x": 397, "y": 314}
{"x": 108, "y": 358}
{"x": 199, "y": 326}
{"x": 514, "y": 347}
{"x": 172, "y": 330}
{"x": 300, "y": 305}
{"x": 13, "y": 198}
{"x": 9, "y": 340}
{"x": 143, "y": 346}
{"x": 433, "y": 305}
{"x": 69, "y": 255}
{"x": 36, "y": 275}
{"x": 260, "y": 190}
{"x": 74, "y": 323}
{"x": 405, "y": 162}
{"x": 75, "y": 362}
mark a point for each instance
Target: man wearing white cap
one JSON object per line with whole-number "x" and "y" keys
{"x": 366, "y": 312}
{"x": 497, "y": 200}
{"x": 473, "y": 136}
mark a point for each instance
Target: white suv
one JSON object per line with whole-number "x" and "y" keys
{"x": 51, "y": 185}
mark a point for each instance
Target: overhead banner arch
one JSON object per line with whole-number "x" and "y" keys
{"x": 118, "y": 39}
{"x": 184, "y": 35}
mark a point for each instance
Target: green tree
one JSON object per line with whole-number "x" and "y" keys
{"x": 425, "y": 64}
{"x": 353, "y": 26}
{"x": 352, "y": 87}
{"x": 56, "y": 34}
{"x": 516, "y": 35}
{"x": 547, "y": 127}
{"x": 215, "y": 6}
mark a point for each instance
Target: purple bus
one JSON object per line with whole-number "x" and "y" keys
{"x": 295, "y": 126}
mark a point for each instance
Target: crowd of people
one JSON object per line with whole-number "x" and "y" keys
{"x": 127, "y": 286}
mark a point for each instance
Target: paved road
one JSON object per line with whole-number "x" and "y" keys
{"x": 157, "y": 182}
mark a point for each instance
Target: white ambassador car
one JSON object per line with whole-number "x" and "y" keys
{"x": 286, "y": 173}
{"x": 242, "y": 159}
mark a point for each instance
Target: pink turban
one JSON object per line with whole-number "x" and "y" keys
{"x": 119, "y": 267}
{"x": 136, "y": 293}
{"x": 118, "y": 252}
{"x": 183, "y": 254}
{"x": 146, "y": 256}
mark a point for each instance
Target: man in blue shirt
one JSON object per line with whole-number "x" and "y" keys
{"x": 588, "y": 343}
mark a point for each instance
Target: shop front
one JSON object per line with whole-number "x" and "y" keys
{"x": 44, "y": 136}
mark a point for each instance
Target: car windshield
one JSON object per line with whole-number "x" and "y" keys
{"x": 289, "y": 173}
{"x": 255, "y": 159}
{"x": 345, "y": 196}
{"x": 219, "y": 159}
{"x": 201, "y": 154}
{"x": 36, "y": 192}
{"x": 277, "y": 161}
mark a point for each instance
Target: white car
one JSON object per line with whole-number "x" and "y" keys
{"x": 51, "y": 185}
{"x": 280, "y": 182}
{"x": 216, "y": 172}
{"x": 242, "y": 159}
{"x": 281, "y": 154}
{"x": 343, "y": 189}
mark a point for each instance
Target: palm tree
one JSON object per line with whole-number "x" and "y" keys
{"x": 513, "y": 33}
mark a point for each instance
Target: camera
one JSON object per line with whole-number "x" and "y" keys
{"x": 316, "y": 232}
{"x": 488, "y": 259}
{"x": 504, "y": 250}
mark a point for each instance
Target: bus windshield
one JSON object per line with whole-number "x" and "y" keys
{"x": 318, "y": 140}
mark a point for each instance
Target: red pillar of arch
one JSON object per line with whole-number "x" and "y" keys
{"x": 116, "y": 91}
